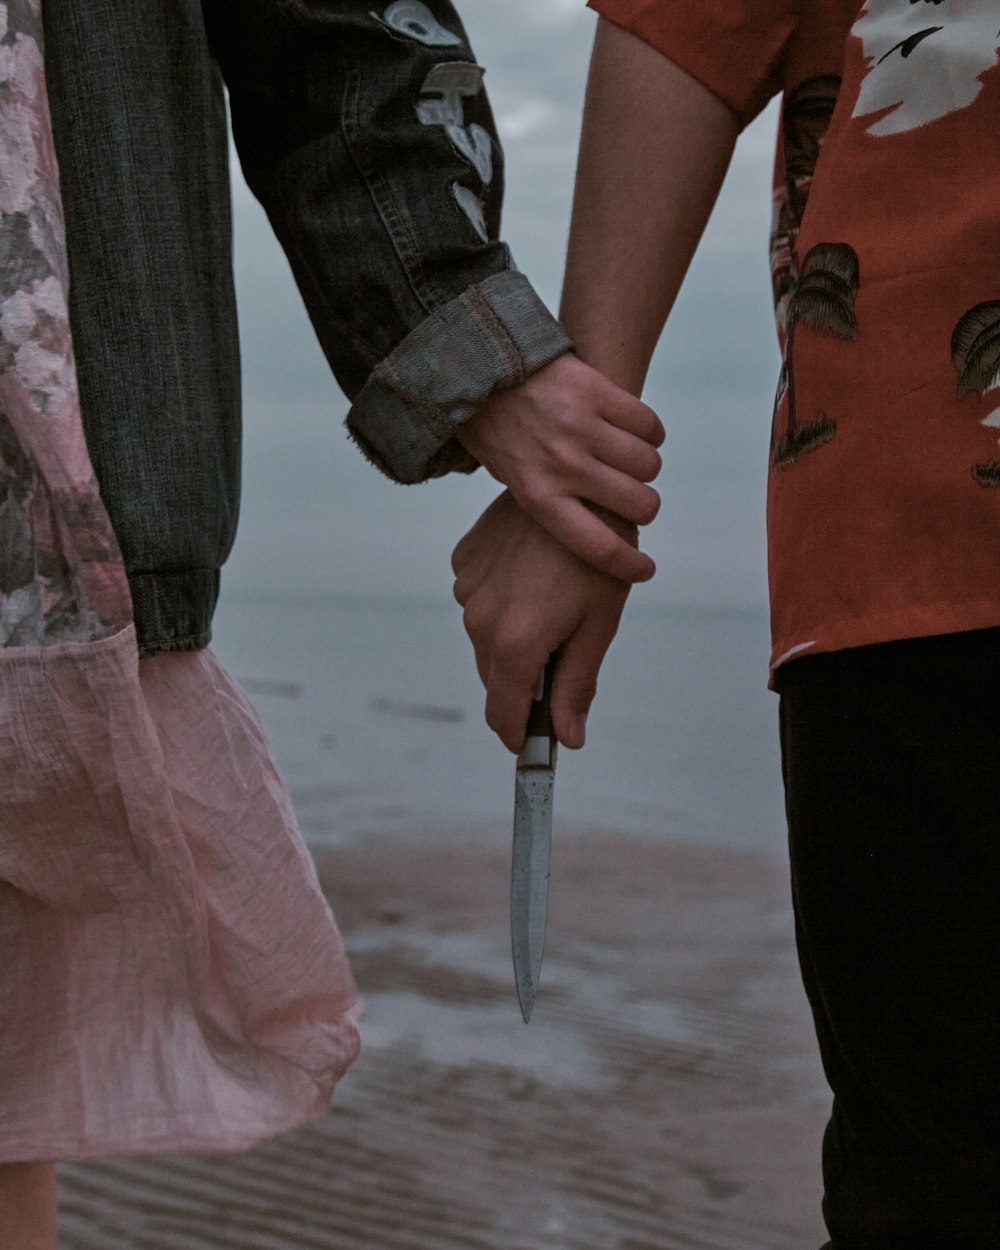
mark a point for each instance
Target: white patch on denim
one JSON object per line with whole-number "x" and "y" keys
{"x": 441, "y": 103}
{"x": 451, "y": 81}
{"x": 476, "y": 146}
{"x": 416, "y": 21}
{"x": 925, "y": 60}
{"x": 472, "y": 206}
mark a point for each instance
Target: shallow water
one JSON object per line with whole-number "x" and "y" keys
{"x": 374, "y": 711}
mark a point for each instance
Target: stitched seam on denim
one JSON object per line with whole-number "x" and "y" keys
{"x": 208, "y": 568}
{"x": 162, "y": 646}
{"x": 431, "y": 414}
{"x": 501, "y": 341}
{"x": 397, "y": 225}
{"x": 493, "y": 335}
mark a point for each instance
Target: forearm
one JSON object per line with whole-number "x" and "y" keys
{"x": 654, "y": 149}
{"x": 369, "y": 140}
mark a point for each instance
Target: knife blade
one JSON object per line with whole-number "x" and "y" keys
{"x": 529, "y": 878}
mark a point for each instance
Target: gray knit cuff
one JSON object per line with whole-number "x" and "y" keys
{"x": 494, "y": 335}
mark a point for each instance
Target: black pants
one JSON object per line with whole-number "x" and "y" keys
{"x": 892, "y": 776}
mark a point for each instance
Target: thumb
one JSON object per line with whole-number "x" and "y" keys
{"x": 574, "y": 683}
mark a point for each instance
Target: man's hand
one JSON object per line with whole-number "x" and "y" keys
{"x": 567, "y": 438}
{"x": 526, "y": 596}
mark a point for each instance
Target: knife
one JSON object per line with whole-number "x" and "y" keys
{"x": 529, "y": 877}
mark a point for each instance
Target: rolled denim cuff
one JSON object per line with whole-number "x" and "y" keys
{"x": 494, "y": 335}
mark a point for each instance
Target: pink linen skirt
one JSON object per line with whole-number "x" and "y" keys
{"x": 171, "y": 977}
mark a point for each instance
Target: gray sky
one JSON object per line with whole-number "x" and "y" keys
{"x": 317, "y": 517}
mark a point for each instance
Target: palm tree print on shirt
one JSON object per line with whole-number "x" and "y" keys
{"x": 805, "y": 119}
{"x": 822, "y": 297}
{"x": 975, "y": 349}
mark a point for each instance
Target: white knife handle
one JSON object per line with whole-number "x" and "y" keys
{"x": 537, "y": 753}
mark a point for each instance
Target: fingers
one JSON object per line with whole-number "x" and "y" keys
{"x": 622, "y": 450}
{"x": 628, "y": 413}
{"x": 526, "y": 596}
{"x": 511, "y": 678}
{"x": 622, "y": 495}
{"x": 510, "y": 667}
{"x": 574, "y": 683}
{"x": 508, "y": 702}
{"x": 572, "y": 442}
{"x": 592, "y": 540}
{"x": 510, "y": 686}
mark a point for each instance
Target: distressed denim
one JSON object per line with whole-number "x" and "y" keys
{"x": 363, "y": 129}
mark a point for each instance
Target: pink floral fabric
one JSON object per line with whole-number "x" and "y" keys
{"x": 171, "y": 975}
{"x": 61, "y": 574}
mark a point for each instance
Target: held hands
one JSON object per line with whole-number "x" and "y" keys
{"x": 525, "y": 595}
{"x": 565, "y": 439}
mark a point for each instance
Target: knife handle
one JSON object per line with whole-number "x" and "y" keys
{"x": 540, "y": 716}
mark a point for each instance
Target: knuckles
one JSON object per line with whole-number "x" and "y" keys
{"x": 515, "y": 646}
{"x": 561, "y": 457}
{"x": 478, "y": 618}
{"x": 512, "y": 641}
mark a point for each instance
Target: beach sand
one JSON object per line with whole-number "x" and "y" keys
{"x": 666, "y": 1095}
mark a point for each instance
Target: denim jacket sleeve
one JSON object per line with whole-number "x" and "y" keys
{"x": 363, "y": 128}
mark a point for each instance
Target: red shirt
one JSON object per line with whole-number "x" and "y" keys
{"x": 884, "y": 491}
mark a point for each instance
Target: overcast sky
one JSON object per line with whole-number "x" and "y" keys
{"x": 316, "y": 516}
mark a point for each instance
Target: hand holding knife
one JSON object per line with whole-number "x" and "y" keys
{"x": 529, "y": 881}
{"x": 514, "y": 580}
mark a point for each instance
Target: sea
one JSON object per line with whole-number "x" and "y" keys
{"x": 374, "y": 711}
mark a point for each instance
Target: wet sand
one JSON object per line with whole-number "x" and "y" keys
{"x": 666, "y": 1095}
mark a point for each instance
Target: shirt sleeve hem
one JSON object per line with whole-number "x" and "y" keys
{"x": 745, "y": 98}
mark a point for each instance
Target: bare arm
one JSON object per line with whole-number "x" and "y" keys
{"x": 654, "y": 150}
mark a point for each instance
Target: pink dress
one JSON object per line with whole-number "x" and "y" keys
{"x": 171, "y": 977}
